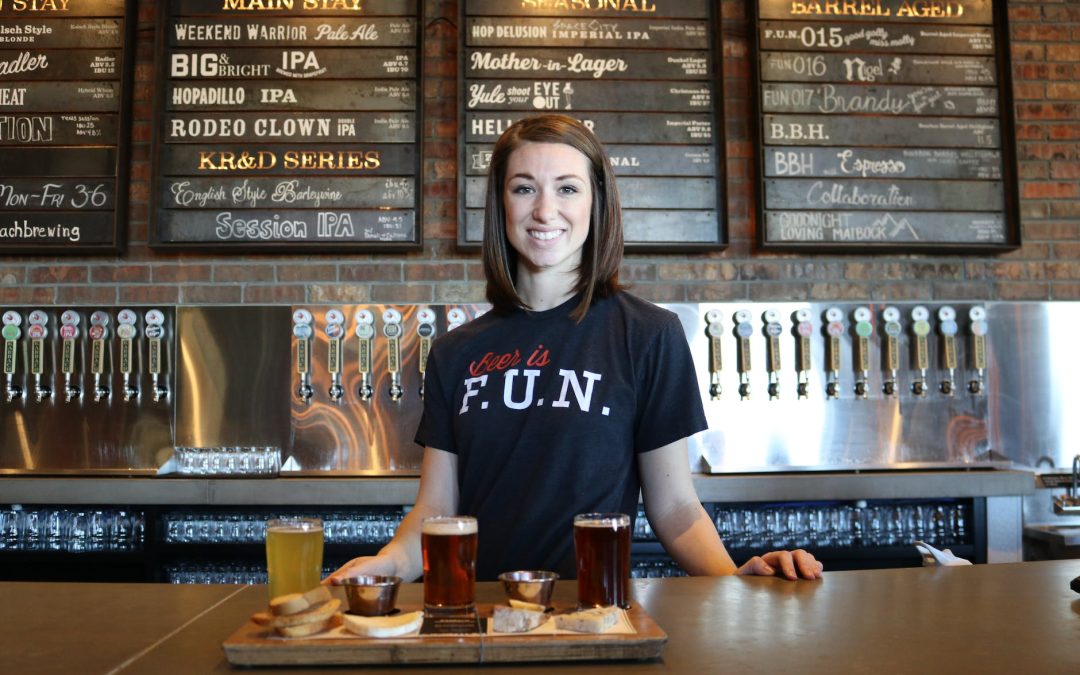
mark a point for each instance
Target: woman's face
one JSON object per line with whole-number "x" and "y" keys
{"x": 548, "y": 201}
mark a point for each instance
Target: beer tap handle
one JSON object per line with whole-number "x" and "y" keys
{"x": 948, "y": 328}
{"x": 425, "y": 330}
{"x": 11, "y": 334}
{"x": 920, "y": 327}
{"x": 155, "y": 333}
{"x": 804, "y": 329}
{"x": 37, "y": 331}
{"x": 365, "y": 332}
{"x": 743, "y": 331}
{"x": 834, "y": 329}
{"x": 99, "y": 334}
{"x": 979, "y": 329}
{"x": 126, "y": 332}
{"x": 335, "y": 333}
{"x": 891, "y": 353}
{"x": 303, "y": 331}
{"x": 393, "y": 330}
{"x": 69, "y": 333}
{"x": 773, "y": 330}
{"x": 715, "y": 331}
{"x": 455, "y": 316}
{"x": 863, "y": 330}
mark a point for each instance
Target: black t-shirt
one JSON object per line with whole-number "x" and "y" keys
{"x": 546, "y": 417}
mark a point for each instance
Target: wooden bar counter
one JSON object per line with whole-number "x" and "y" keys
{"x": 1008, "y": 618}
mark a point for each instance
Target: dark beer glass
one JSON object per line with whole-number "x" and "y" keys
{"x": 449, "y": 547}
{"x": 602, "y": 545}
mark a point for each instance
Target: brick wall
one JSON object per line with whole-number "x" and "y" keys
{"x": 1046, "y": 82}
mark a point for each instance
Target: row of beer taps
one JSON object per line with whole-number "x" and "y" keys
{"x": 364, "y": 328}
{"x": 99, "y": 333}
{"x": 834, "y": 327}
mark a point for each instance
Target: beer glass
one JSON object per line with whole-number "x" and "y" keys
{"x": 449, "y": 547}
{"x": 602, "y": 546}
{"x": 294, "y": 552}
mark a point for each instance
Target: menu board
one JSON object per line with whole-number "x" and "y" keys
{"x": 643, "y": 75}
{"x": 288, "y": 126}
{"x": 65, "y": 76}
{"x": 885, "y": 125}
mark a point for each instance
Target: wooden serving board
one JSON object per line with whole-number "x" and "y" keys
{"x": 255, "y": 645}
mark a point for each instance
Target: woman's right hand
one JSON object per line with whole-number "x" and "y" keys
{"x": 382, "y": 565}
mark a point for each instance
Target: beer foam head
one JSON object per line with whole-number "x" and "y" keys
{"x": 294, "y": 526}
{"x": 605, "y": 520}
{"x": 444, "y": 525}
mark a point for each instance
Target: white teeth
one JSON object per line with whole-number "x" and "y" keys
{"x": 544, "y": 236}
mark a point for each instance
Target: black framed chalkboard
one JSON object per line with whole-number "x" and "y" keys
{"x": 288, "y": 127}
{"x": 885, "y": 126}
{"x": 66, "y": 71}
{"x": 645, "y": 76}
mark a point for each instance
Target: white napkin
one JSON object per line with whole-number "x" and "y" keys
{"x": 932, "y": 557}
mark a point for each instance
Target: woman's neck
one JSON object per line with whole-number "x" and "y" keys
{"x": 545, "y": 290}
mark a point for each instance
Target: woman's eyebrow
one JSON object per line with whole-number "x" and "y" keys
{"x": 529, "y": 176}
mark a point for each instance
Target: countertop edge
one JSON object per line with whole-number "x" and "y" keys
{"x": 381, "y": 491}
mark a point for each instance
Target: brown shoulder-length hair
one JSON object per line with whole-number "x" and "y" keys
{"x": 601, "y": 255}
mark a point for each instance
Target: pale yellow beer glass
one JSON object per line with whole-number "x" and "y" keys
{"x": 294, "y": 552}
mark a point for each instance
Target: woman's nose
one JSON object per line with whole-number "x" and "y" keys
{"x": 544, "y": 209}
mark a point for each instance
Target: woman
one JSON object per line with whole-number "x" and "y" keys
{"x": 570, "y": 395}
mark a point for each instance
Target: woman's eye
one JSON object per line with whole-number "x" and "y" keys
{"x": 571, "y": 189}
{"x": 521, "y": 189}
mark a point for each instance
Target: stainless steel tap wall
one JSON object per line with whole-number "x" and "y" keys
{"x": 84, "y": 435}
{"x": 233, "y": 380}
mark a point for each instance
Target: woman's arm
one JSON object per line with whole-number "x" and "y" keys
{"x": 437, "y": 496}
{"x": 687, "y": 532}
{"x": 676, "y": 515}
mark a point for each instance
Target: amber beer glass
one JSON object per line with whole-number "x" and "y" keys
{"x": 449, "y": 547}
{"x": 294, "y": 552}
{"x": 602, "y": 545}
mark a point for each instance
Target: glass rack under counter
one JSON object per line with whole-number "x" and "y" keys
{"x": 209, "y": 530}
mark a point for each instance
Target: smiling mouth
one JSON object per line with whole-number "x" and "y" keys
{"x": 545, "y": 235}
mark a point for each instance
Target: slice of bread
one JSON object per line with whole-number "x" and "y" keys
{"x": 320, "y": 612}
{"x": 595, "y": 620}
{"x": 262, "y": 618}
{"x": 384, "y": 626}
{"x": 516, "y": 620}
{"x": 521, "y": 604}
{"x": 293, "y": 603}
{"x": 304, "y": 629}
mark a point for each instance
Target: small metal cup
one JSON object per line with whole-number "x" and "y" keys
{"x": 371, "y": 595}
{"x": 533, "y": 586}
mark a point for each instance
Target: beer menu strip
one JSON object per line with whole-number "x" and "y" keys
{"x": 635, "y": 160}
{"x": 66, "y": 69}
{"x": 284, "y": 8}
{"x": 629, "y": 127}
{"x": 44, "y": 33}
{"x": 292, "y": 127}
{"x": 642, "y": 75}
{"x": 39, "y": 130}
{"x": 344, "y": 159}
{"x": 906, "y": 39}
{"x": 288, "y": 125}
{"x": 53, "y": 9}
{"x": 585, "y": 32}
{"x": 253, "y": 32}
{"x": 86, "y": 162}
{"x": 885, "y": 124}
{"x": 683, "y": 9}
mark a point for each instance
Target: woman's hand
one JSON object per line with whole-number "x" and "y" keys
{"x": 382, "y": 565}
{"x": 788, "y": 564}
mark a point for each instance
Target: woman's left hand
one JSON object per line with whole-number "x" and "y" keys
{"x": 788, "y": 564}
